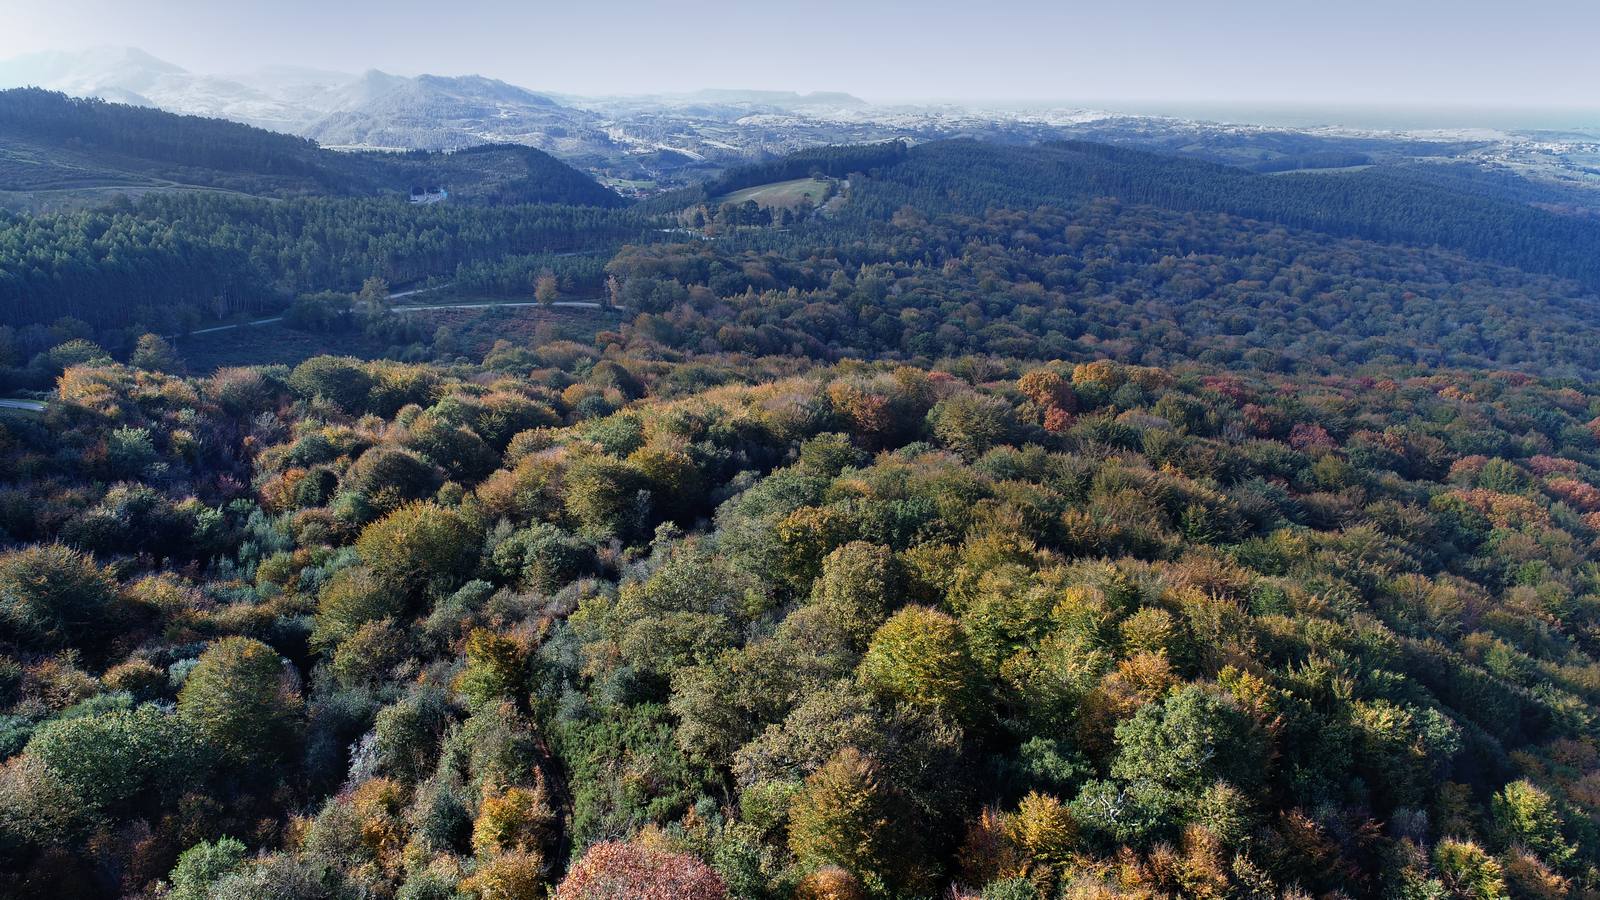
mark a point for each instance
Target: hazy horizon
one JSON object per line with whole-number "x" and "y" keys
{"x": 1463, "y": 55}
{"x": 1375, "y": 115}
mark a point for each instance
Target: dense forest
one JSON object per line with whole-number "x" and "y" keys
{"x": 1384, "y": 204}
{"x": 712, "y": 629}
{"x": 1027, "y": 523}
{"x": 171, "y": 259}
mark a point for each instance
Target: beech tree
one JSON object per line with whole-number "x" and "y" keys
{"x": 919, "y": 656}
{"x": 848, "y": 815}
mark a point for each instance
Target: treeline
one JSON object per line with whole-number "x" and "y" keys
{"x": 170, "y": 260}
{"x": 1325, "y": 159}
{"x": 581, "y": 276}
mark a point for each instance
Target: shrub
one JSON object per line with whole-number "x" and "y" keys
{"x": 203, "y": 865}
{"x": 518, "y": 819}
{"x": 52, "y": 595}
{"x": 240, "y": 700}
{"x": 614, "y": 870}
{"x": 517, "y": 875}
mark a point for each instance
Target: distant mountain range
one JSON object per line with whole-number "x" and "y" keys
{"x": 423, "y": 112}
{"x": 59, "y": 152}
{"x": 641, "y": 144}
{"x": 637, "y": 142}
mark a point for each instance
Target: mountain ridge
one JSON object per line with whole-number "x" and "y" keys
{"x": 51, "y": 143}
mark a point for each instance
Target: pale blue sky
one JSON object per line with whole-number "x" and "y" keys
{"x": 1472, "y": 52}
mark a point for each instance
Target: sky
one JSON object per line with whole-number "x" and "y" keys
{"x": 1482, "y": 53}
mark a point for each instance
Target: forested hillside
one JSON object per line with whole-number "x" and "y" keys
{"x": 51, "y": 143}
{"x": 170, "y": 260}
{"x": 1382, "y": 204}
{"x": 384, "y": 630}
{"x": 1050, "y": 523}
{"x": 1088, "y": 251}
{"x": 1102, "y": 278}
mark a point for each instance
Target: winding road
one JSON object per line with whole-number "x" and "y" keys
{"x": 215, "y": 328}
{"x": 28, "y": 405}
{"x": 569, "y": 304}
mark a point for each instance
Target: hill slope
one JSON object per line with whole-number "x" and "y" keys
{"x": 439, "y": 113}
{"x": 1386, "y": 204}
{"x": 52, "y": 145}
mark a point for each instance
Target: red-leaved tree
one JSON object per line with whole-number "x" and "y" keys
{"x": 615, "y": 870}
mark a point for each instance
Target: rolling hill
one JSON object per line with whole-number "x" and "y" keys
{"x": 1392, "y": 204}
{"x": 60, "y": 152}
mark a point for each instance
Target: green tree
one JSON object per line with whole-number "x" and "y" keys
{"x": 607, "y": 497}
{"x": 971, "y": 423}
{"x": 350, "y": 599}
{"x": 241, "y": 700}
{"x": 419, "y": 547}
{"x": 1189, "y": 741}
{"x": 546, "y": 288}
{"x": 374, "y": 293}
{"x": 1524, "y": 814}
{"x": 76, "y": 352}
{"x": 920, "y": 657}
{"x": 339, "y": 379}
{"x": 542, "y": 557}
{"x": 153, "y": 354}
{"x": 496, "y": 668}
{"x": 109, "y": 759}
{"x": 203, "y": 865}
{"x": 857, "y": 587}
{"x": 845, "y": 816}
{"x": 51, "y": 595}
{"x": 389, "y": 476}
{"x": 1469, "y": 871}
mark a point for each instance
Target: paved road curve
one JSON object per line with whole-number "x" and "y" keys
{"x": 569, "y": 304}
{"x": 215, "y": 328}
{"x": 29, "y": 405}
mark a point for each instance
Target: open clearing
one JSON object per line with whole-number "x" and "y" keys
{"x": 781, "y": 194}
